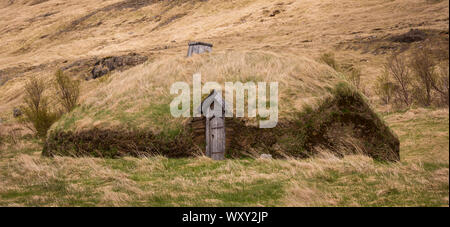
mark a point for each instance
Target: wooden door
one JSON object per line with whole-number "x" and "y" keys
{"x": 215, "y": 138}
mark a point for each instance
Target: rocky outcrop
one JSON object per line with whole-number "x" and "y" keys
{"x": 17, "y": 112}
{"x": 95, "y": 67}
{"x": 108, "y": 64}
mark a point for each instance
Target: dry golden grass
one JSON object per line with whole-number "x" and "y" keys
{"x": 421, "y": 127}
{"x": 123, "y": 98}
{"x": 45, "y": 34}
{"x": 42, "y": 34}
{"x": 248, "y": 25}
{"x": 419, "y": 179}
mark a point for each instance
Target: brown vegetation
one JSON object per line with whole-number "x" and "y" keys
{"x": 68, "y": 91}
{"x": 421, "y": 80}
{"x": 107, "y": 143}
{"x": 422, "y": 65}
{"x": 398, "y": 69}
{"x": 384, "y": 88}
{"x": 51, "y": 33}
{"x": 37, "y": 111}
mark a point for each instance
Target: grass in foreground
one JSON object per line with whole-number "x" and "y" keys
{"x": 420, "y": 179}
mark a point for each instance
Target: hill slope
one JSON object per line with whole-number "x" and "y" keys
{"x": 51, "y": 34}
{"x": 274, "y": 40}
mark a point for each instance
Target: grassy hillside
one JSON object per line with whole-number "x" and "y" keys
{"x": 254, "y": 40}
{"x": 420, "y": 179}
{"x": 129, "y": 113}
{"x": 139, "y": 99}
{"x": 52, "y": 34}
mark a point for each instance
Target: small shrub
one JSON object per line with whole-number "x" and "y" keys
{"x": 415, "y": 83}
{"x": 422, "y": 64}
{"x": 384, "y": 88}
{"x": 36, "y": 111}
{"x": 419, "y": 96}
{"x": 68, "y": 90}
{"x": 398, "y": 68}
{"x": 329, "y": 59}
{"x": 441, "y": 84}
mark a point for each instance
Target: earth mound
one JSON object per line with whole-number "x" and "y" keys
{"x": 129, "y": 114}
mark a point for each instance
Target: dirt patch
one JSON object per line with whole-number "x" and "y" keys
{"x": 42, "y": 16}
{"x": 125, "y": 5}
{"x": 385, "y": 44}
{"x": 18, "y": 71}
{"x": 131, "y": 4}
{"x": 169, "y": 20}
{"x": 36, "y": 2}
{"x": 414, "y": 35}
